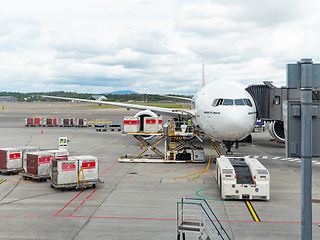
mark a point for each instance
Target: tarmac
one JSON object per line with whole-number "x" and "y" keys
{"x": 138, "y": 200}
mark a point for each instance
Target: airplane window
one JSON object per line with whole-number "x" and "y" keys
{"x": 248, "y": 102}
{"x": 214, "y": 102}
{"x": 228, "y": 102}
{"x": 238, "y": 102}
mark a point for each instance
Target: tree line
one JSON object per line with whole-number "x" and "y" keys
{"x": 36, "y": 96}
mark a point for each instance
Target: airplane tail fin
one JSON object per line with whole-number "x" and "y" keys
{"x": 203, "y": 80}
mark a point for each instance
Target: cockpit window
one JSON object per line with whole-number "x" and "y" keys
{"x": 238, "y": 102}
{"x": 217, "y": 102}
{"x": 231, "y": 102}
{"x": 228, "y": 102}
{"x": 248, "y": 102}
{"x": 214, "y": 102}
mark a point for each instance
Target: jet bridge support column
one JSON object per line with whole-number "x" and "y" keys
{"x": 306, "y": 149}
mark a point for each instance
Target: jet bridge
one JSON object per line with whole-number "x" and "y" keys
{"x": 269, "y": 101}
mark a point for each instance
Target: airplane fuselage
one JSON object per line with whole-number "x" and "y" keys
{"x": 225, "y": 111}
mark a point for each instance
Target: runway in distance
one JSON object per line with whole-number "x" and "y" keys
{"x": 224, "y": 111}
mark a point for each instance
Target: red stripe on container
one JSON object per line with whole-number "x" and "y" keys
{"x": 131, "y": 122}
{"x": 89, "y": 165}
{"x": 151, "y": 121}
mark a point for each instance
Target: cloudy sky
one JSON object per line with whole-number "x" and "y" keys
{"x": 153, "y": 46}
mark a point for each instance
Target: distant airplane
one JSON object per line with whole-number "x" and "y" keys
{"x": 225, "y": 111}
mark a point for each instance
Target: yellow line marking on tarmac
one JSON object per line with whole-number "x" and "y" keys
{"x": 252, "y": 211}
{"x": 216, "y": 148}
{"x": 2, "y": 180}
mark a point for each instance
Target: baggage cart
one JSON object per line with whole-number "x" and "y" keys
{"x": 40, "y": 178}
{"x": 81, "y": 185}
{"x": 11, "y": 170}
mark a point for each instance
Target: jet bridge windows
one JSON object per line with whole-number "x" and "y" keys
{"x": 232, "y": 102}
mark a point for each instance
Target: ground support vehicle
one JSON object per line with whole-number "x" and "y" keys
{"x": 115, "y": 127}
{"x": 100, "y": 127}
{"x": 242, "y": 178}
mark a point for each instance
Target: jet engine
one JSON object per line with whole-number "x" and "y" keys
{"x": 142, "y": 115}
{"x": 276, "y": 130}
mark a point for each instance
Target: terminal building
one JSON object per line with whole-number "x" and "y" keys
{"x": 8, "y": 99}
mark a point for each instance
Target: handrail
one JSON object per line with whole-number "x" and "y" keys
{"x": 199, "y": 204}
{"x": 201, "y": 199}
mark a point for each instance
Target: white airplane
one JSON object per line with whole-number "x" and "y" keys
{"x": 224, "y": 111}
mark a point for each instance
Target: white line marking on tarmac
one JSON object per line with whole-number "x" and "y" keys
{"x": 265, "y": 157}
{"x": 256, "y": 156}
{"x": 285, "y": 159}
{"x": 276, "y": 158}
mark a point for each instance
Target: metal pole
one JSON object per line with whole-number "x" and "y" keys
{"x": 165, "y": 128}
{"x": 306, "y": 149}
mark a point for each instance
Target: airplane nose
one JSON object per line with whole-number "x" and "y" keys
{"x": 235, "y": 120}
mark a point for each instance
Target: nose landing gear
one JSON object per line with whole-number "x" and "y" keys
{"x": 228, "y": 145}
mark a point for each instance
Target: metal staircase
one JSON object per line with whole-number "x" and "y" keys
{"x": 172, "y": 137}
{"x": 195, "y": 218}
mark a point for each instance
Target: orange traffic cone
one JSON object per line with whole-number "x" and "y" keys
{"x": 141, "y": 146}
{"x": 41, "y": 131}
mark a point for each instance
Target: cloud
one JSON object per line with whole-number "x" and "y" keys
{"x": 154, "y": 42}
{"x": 212, "y": 18}
{"x": 153, "y": 46}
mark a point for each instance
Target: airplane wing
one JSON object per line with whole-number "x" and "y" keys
{"x": 158, "y": 110}
{"x": 182, "y": 98}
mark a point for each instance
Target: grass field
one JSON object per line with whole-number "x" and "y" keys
{"x": 151, "y": 105}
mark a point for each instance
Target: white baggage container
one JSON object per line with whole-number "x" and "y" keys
{"x": 152, "y": 124}
{"x": 81, "y": 122}
{"x": 28, "y": 121}
{"x": 25, "y": 150}
{"x": 90, "y": 166}
{"x": 38, "y": 163}
{"x": 72, "y": 122}
{"x": 59, "y": 153}
{"x": 131, "y": 124}
{"x": 64, "y": 170}
{"x": 10, "y": 158}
